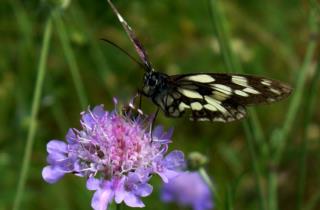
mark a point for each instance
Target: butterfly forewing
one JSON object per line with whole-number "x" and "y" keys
{"x": 137, "y": 44}
{"x": 218, "y": 97}
{"x": 213, "y": 96}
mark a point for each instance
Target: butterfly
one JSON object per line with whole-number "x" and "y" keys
{"x": 219, "y": 97}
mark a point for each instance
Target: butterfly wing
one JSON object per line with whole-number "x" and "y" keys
{"x": 137, "y": 44}
{"x": 218, "y": 97}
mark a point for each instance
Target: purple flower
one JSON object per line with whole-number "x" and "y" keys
{"x": 188, "y": 189}
{"x": 117, "y": 156}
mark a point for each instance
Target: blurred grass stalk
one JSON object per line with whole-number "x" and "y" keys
{"x": 309, "y": 110}
{"x": 34, "y": 113}
{"x": 255, "y": 133}
{"x": 95, "y": 51}
{"x": 71, "y": 60}
{"x": 280, "y": 137}
{"x": 207, "y": 179}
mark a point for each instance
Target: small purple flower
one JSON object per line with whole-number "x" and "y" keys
{"x": 117, "y": 156}
{"x": 188, "y": 189}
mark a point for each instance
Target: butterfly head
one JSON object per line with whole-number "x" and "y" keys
{"x": 153, "y": 82}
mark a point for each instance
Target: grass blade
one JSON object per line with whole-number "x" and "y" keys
{"x": 34, "y": 113}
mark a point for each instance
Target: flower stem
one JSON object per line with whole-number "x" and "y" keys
{"x": 252, "y": 127}
{"x": 34, "y": 113}
{"x": 207, "y": 179}
{"x": 272, "y": 191}
{"x": 73, "y": 66}
{"x": 118, "y": 206}
{"x": 280, "y": 139}
{"x": 309, "y": 111}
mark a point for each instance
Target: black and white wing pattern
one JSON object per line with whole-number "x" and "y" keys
{"x": 206, "y": 96}
{"x": 217, "y": 96}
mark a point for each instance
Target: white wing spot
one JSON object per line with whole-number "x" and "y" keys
{"x": 241, "y": 93}
{"x": 219, "y": 119}
{"x": 175, "y": 113}
{"x": 223, "y": 88}
{"x": 219, "y": 96}
{"x": 203, "y": 78}
{"x": 271, "y": 99}
{"x": 203, "y": 119}
{"x": 266, "y": 82}
{"x": 183, "y": 106}
{"x": 190, "y": 93}
{"x": 239, "y": 80}
{"x": 169, "y": 100}
{"x": 196, "y": 106}
{"x": 210, "y": 107}
{"x": 251, "y": 90}
{"x": 239, "y": 116}
{"x": 176, "y": 95}
{"x": 275, "y": 91}
{"x": 216, "y": 104}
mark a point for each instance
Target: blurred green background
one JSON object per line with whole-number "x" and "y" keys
{"x": 268, "y": 161}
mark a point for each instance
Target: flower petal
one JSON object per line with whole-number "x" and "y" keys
{"x": 52, "y": 174}
{"x": 157, "y": 131}
{"x": 167, "y": 174}
{"x": 102, "y": 197}
{"x": 195, "y": 194}
{"x": 120, "y": 191}
{"x": 89, "y": 118}
{"x": 57, "y": 147}
{"x": 166, "y": 194}
{"x": 98, "y": 111}
{"x": 168, "y": 134}
{"x": 143, "y": 190}
{"x": 133, "y": 200}
{"x": 161, "y": 136}
{"x": 55, "y": 158}
{"x": 175, "y": 161}
{"x": 71, "y": 137}
{"x": 93, "y": 183}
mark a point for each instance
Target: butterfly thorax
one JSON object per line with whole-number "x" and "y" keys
{"x": 154, "y": 83}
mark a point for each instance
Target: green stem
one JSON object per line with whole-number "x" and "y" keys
{"x": 73, "y": 66}
{"x": 279, "y": 141}
{"x": 229, "y": 199}
{"x": 234, "y": 65}
{"x": 102, "y": 66}
{"x": 255, "y": 165}
{"x": 207, "y": 179}
{"x": 311, "y": 102}
{"x": 118, "y": 206}
{"x": 272, "y": 190}
{"x": 34, "y": 113}
{"x": 263, "y": 36}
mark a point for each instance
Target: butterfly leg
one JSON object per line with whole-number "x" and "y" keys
{"x": 140, "y": 99}
{"x": 153, "y": 121}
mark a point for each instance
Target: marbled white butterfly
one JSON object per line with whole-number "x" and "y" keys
{"x": 206, "y": 96}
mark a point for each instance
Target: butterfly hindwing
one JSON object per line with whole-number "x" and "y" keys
{"x": 218, "y": 97}
{"x": 213, "y": 96}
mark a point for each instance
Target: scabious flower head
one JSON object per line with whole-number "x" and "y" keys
{"x": 188, "y": 189}
{"x": 117, "y": 154}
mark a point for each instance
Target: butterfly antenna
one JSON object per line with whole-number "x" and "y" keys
{"x": 125, "y": 52}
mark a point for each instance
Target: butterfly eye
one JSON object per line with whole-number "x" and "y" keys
{"x": 152, "y": 81}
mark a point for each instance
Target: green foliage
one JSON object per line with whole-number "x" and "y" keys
{"x": 49, "y": 75}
